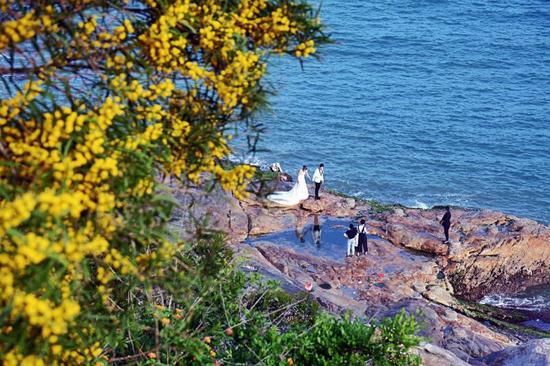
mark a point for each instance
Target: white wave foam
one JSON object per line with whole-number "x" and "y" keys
{"x": 419, "y": 204}
{"x": 535, "y": 303}
{"x": 248, "y": 159}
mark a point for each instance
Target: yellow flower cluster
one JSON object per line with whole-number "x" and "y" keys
{"x": 166, "y": 49}
{"x": 10, "y": 108}
{"x": 144, "y": 187}
{"x": 60, "y": 235}
{"x": 37, "y": 148}
{"x": 43, "y": 314}
{"x": 135, "y": 91}
{"x": 4, "y": 5}
{"x": 88, "y": 26}
{"x": 305, "y": 49}
{"x": 79, "y": 169}
{"x": 26, "y": 27}
{"x": 272, "y": 29}
{"x": 233, "y": 82}
{"x": 233, "y": 180}
{"x": 218, "y": 32}
{"x": 89, "y": 37}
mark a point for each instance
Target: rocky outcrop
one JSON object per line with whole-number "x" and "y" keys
{"x": 489, "y": 252}
{"x": 467, "y": 338}
{"x": 499, "y": 254}
{"x": 382, "y": 284}
{"x": 216, "y": 210}
{"x": 419, "y": 238}
{"x": 266, "y": 217}
{"x": 408, "y": 266}
{"x": 433, "y": 355}
{"x": 219, "y": 210}
{"x": 532, "y": 353}
{"x": 263, "y": 220}
{"x": 330, "y": 205}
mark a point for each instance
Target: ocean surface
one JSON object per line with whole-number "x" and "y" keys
{"x": 423, "y": 103}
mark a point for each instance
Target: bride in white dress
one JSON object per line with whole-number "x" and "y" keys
{"x": 298, "y": 193}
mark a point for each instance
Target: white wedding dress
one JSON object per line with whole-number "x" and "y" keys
{"x": 298, "y": 193}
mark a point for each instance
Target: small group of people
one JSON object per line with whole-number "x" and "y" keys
{"x": 357, "y": 236}
{"x": 357, "y": 239}
{"x": 299, "y": 191}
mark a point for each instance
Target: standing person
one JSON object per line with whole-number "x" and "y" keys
{"x": 276, "y": 168}
{"x": 318, "y": 178}
{"x": 297, "y": 194}
{"x": 362, "y": 248}
{"x": 446, "y": 223}
{"x": 351, "y": 234}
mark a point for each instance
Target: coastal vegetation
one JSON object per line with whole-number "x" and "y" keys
{"x": 101, "y": 101}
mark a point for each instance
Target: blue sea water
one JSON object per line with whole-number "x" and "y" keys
{"x": 423, "y": 103}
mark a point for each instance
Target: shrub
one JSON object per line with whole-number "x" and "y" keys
{"x": 101, "y": 100}
{"x": 230, "y": 318}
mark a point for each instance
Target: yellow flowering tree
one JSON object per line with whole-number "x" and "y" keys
{"x": 99, "y": 99}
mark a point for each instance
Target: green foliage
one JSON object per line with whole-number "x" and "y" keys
{"x": 379, "y": 207}
{"x": 335, "y": 341}
{"x": 207, "y": 312}
{"x": 118, "y": 94}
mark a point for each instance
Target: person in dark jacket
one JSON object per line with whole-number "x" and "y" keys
{"x": 446, "y": 223}
{"x": 351, "y": 234}
{"x": 362, "y": 247}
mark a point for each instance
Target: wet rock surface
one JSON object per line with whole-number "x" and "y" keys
{"x": 407, "y": 267}
{"x": 381, "y": 284}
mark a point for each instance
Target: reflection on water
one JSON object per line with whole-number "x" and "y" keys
{"x": 317, "y": 235}
{"x": 316, "y": 232}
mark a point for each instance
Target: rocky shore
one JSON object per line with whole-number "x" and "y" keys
{"x": 407, "y": 267}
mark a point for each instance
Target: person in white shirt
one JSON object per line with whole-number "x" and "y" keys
{"x": 276, "y": 167}
{"x": 351, "y": 235}
{"x": 318, "y": 179}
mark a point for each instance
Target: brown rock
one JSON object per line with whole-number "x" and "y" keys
{"x": 532, "y": 353}
{"x": 489, "y": 252}
{"x": 381, "y": 285}
{"x": 433, "y": 355}
{"x": 499, "y": 254}
{"x": 440, "y": 295}
{"x": 418, "y": 240}
{"x": 217, "y": 210}
{"x": 330, "y": 205}
{"x": 263, "y": 220}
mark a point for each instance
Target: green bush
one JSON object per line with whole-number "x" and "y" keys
{"x": 118, "y": 94}
{"x": 207, "y": 312}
